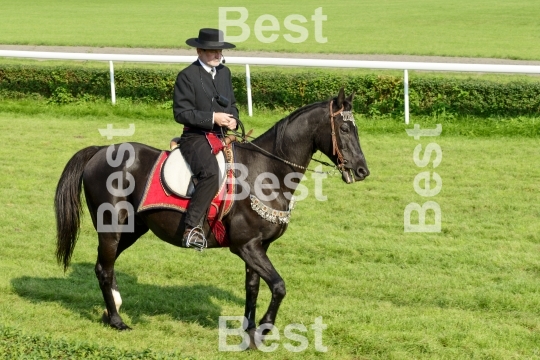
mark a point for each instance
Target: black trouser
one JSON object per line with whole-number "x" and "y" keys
{"x": 204, "y": 166}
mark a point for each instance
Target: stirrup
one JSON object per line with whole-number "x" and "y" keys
{"x": 195, "y": 239}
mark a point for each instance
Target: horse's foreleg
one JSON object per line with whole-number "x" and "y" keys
{"x": 253, "y": 281}
{"x": 252, "y": 292}
{"x": 254, "y": 255}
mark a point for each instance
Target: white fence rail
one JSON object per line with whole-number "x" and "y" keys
{"x": 247, "y": 61}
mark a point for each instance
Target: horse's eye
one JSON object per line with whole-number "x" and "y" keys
{"x": 344, "y": 128}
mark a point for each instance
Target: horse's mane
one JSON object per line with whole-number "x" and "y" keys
{"x": 280, "y": 127}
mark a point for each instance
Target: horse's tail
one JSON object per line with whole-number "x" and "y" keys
{"x": 67, "y": 204}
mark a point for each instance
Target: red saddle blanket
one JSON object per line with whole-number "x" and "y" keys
{"x": 156, "y": 197}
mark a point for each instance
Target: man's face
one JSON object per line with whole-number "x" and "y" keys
{"x": 209, "y": 57}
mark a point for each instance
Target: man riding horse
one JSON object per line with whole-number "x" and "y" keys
{"x": 204, "y": 103}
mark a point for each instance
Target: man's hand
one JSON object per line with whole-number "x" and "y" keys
{"x": 224, "y": 119}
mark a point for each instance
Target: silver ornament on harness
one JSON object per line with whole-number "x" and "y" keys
{"x": 272, "y": 215}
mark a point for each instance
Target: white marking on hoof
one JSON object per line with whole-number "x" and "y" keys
{"x": 117, "y": 299}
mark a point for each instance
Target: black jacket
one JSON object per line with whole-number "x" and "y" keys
{"x": 194, "y": 96}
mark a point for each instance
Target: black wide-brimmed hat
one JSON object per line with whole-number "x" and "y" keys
{"x": 210, "y": 39}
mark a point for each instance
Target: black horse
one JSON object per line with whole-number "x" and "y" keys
{"x": 285, "y": 148}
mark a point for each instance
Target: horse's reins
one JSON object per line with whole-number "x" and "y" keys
{"x": 335, "y": 148}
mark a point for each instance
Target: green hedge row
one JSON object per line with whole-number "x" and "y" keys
{"x": 375, "y": 94}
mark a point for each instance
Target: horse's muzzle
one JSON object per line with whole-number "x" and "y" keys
{"x": 349, "y": 175}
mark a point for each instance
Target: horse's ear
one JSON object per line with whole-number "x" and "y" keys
{"x": 340, "y": 98}
{"x": 349, "y": 98}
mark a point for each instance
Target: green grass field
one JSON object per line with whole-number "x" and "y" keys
{"x": 478, "y": 28}
{"x": 470, "y": 291}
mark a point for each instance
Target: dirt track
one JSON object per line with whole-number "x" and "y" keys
{"x": 232, "y": 53}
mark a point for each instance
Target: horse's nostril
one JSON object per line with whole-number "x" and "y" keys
{"x": 362, "y": 172}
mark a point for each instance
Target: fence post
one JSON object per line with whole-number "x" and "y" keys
{"x": 406, "y": 91}
{"x": 113, "y": 89}
{"x": 248, "y": 88}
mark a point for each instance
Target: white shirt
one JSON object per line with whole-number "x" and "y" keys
{"x": 208, "y": 68}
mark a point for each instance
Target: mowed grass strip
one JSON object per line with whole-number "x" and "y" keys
{"x": 469, "y": 291}
{"x": 477, "y": 28}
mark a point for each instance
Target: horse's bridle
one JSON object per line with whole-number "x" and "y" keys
{"x": 347, "y": 116}
{"x": 335, "y": 147}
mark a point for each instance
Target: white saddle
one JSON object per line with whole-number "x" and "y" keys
{"x": 176, "y": 175}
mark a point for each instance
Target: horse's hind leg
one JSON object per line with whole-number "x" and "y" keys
{"x": 126, "y": 240}
{"x": 110, "y": 247}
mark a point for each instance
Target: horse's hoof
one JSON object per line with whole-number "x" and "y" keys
{"x": 116, "y": 325}
{"x": 123, "y": 327}
{"x": 252, "y": 344}
{"x": 119, "y": 326}
{"x": 252, "y": 336}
